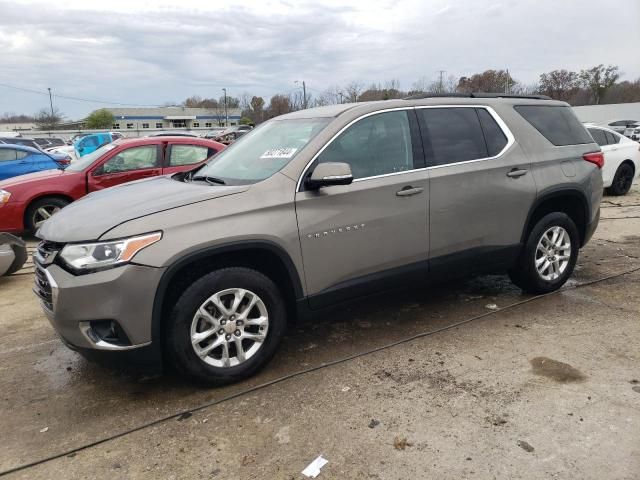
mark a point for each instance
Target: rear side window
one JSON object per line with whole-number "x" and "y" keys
{"x": 599, "y": 136}
{"x": 7, "y": 154}
{"x": 493, "y": 134}
{"x": 557, "y": 124}
{"x": 612, "y": 137}
{"x": 453, "y": 134}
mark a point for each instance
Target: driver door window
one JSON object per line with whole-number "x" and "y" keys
{"x": 376, "y": 145}
{"x": 136, "y": 158}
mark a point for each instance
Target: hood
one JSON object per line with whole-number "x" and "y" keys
{"x": 92, "y": 216}
{"x": 32, "y": 177}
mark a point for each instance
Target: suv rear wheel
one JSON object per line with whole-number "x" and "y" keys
{"x": 225, "y": 326}
{"x": 549, "y": 255}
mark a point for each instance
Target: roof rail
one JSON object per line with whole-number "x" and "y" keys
{"x": 419, "y": 96}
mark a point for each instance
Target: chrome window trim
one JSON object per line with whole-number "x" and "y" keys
{"x": 503, "y": 126}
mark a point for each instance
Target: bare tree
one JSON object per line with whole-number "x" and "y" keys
{"x": 599, "y": 79}
{"x": 559, "y": 84}
{"x": 279, "y": 105}
{"x": 45, "y": 120}
{"x": 352, "y": 91}
{"x": 494, "y": 81}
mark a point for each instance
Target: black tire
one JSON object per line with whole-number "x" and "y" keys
{"x": 177, "y": 339}
{"x": 19, "y": 260}
{"x": 622, "y": 180}
{"x": 525, "y": 275}
{"x": 31, "y": 216}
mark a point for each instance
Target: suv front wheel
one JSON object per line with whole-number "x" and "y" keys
{"x": 549, "y": 255}
{"x": 225, "y": 326}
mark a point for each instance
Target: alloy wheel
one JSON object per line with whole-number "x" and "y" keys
{"x": 553, "y": 253}
{"x": 229, "y": 328}
{"x": 44, "y": 213}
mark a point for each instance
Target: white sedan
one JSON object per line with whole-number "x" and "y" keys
{"x": 621, "y": 159}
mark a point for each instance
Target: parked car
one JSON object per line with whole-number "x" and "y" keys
{"x": 229, "y": 137}
{"x": 10, "y": 134}
{"x": 27, "y": 142}
{"x": 213, "y": 133}
{"x": 633, "y": 131}
{"x": 314, "y": 208}
{"x": 13, "y": 254}
{"x": 48, "y": 142}
{"x": 621, "y": 159}
{"x": 78, "y": 136}
{"x": 31, "y": 199}
{"x": 90, "y": 143}
{"x": 619, "y": 126}
{"x": 18, "y": 160}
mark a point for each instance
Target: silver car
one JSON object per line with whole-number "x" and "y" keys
{"x": 208, "y": 269}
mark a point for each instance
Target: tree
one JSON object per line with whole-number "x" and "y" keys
{"x": 598, "y": 80}
{"x": 102, "y": 118}
{"x": 279, "y": 105}
{"x": 489, "y": 81}
{"x": 45, "y": 120}
{"x": 232, "y": 102}
{"x": 245, "y": 121}
{"x": 197, "y": 101}
{"x": 559, "y": 84}
{"x": 352, "y": 91}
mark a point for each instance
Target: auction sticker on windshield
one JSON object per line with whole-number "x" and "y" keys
{"x": 279, "y": 153}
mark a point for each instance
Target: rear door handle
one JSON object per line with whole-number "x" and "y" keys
{"x": 409, "y": 190}
{"x": 516, "y": 172}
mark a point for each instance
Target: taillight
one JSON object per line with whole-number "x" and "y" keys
{"x": 597, "y": 158}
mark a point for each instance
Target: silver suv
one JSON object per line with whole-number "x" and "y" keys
{"x": 207, "y": 269}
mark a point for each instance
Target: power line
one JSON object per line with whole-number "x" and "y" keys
{"x": 78, "y": 99}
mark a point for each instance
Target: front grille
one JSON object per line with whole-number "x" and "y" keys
{"x": 44, "y": 256}
{"x": 42, "y": 287}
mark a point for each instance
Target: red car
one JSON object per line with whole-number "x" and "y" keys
{"x": 28, "y": 200}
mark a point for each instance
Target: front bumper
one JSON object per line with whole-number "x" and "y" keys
{"x": 12, "y": 217}
{"x": 75, "y": 303}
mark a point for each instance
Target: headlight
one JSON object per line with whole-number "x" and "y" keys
{"x": 102, "y": 255}
{"x": 4, "y": 197}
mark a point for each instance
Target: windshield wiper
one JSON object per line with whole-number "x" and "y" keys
{"x": 209, "y": 180}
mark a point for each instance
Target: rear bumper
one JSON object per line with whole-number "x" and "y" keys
{"x": 591, "y": 228}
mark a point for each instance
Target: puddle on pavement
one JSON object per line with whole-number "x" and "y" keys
{"x": 555, "y": 370}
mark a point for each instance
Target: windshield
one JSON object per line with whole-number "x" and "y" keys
{"x": 83, "y": 162}
{"x": 262, "y": 152}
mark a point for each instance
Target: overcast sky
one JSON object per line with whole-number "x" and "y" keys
{"x": 152, "y": 52}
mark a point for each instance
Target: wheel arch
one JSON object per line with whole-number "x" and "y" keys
{"x": 263, "y": 256}
{"x": 40, "y": 196}
{"x": 571, "y": 201}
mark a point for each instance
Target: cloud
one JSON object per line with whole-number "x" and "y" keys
{"x": 152, "y": 52}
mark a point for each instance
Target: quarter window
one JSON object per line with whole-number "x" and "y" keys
{"x": 187, "y": 154}
{"x": 376, "y": 145}
{"x": 453, "y": 135}
{"x": 135, "y": 158}
{"x": 558, "y": 124}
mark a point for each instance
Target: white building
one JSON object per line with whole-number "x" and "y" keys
{"x": 166, "y": 118}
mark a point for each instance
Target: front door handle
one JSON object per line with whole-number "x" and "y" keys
{"x": 409, "y": 190}
{"x": 516, "y": 172}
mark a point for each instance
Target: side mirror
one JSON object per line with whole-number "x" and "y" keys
{"x": 328, "y": 174}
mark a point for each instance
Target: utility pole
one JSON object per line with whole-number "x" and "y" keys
{"x": 50, "y": 103}
{"x": 441, "y": 85}
{"x": 506, "y": 83}
{"x": 340, "y": 93}
{"x": 226, "y": 115}
{"x": 304, "y": 93}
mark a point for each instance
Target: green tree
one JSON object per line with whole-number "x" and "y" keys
{"x": 245, "y": 121}
{"x": 102, "y": 118}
